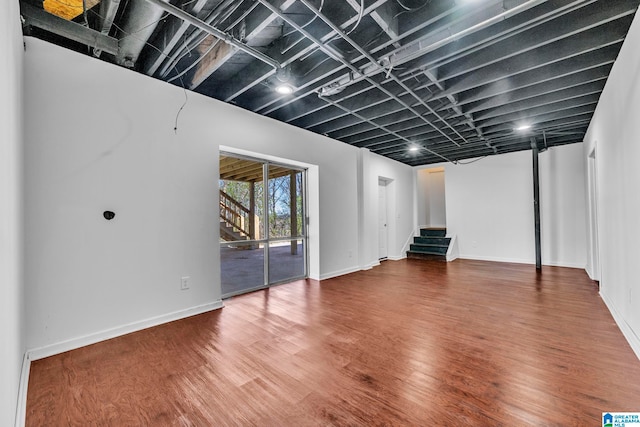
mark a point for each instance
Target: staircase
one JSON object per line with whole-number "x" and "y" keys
{"x": 228, "y": 233}
{"x": 235, "y": 219}
{"x": 431, "y": 244}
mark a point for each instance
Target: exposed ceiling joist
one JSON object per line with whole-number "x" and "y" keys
{"x": 453, "y": 79}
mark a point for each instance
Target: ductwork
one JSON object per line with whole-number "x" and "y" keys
{"x": 227, "y": 38}
{"x": 142, "y": 19}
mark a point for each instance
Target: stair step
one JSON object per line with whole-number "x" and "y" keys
{"x": 424, "y": 255}
{"x": 444, "y": 241}
{"x": 435, "y": 249}
{"x": 433, "y": 232}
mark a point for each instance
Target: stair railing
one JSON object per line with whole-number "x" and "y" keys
{"x": 234, "y": 214}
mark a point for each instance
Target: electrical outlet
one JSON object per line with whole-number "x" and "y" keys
{"x": 184, "y": 283}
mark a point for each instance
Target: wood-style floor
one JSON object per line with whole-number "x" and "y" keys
{"x": 411, "y": 342}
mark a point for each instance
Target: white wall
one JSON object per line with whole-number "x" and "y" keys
{"x": 423, "y": 203}
{"x": 563, "y": 206}
{"x": 11, "y": 291}
{"x": 614, "y": 133}
{"x": 430, "y": 198}
{"x": 400, "y": 202}
{"x": 96, "y": 140}
{"x": 100, "y": 137}
{"x": 490, "y": 207}
{"x": 437, "y": 202}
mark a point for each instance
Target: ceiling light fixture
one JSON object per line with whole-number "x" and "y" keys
{"x": 284, "y": 76}
{"x": 414, "y": 148}
{"x": 522, "y": 128}
{"x": 284, "y": 89}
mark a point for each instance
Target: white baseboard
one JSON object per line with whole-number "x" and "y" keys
{"x": 349, "y": 270}
{"x": 522, "y": 261}
{"x": 564, "y": 264}
{"x": 61, "y": 347}
{"x": 495, "y": 259}
{"x": 397, "y": 257}
{"x": 632, "y": 338}
{"x": 21, "y": 407}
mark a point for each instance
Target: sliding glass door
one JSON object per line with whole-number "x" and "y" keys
{"x": 286, "y": 224}
{"x": 262, "y": 224}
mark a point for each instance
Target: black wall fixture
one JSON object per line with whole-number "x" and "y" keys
{"x": 108, "y": 215}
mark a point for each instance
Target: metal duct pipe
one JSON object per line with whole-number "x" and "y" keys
{"x": 138, "y": 28}
{"x": 227, "y": 38}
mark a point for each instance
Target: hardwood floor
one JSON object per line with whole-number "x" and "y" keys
{"x": 411, "y": 342}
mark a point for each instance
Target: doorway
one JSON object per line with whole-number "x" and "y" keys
{"x": 431, "y": 199}
{"x": 263, "y": 236}
{"x": 383, "y": 229}
{"x": 437, "y": 202}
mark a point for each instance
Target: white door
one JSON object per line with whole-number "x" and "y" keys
{"x": 382, "y": 220}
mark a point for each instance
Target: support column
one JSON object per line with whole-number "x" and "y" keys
{"x": 536, "y": 202}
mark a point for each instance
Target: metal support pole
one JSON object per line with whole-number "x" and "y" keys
{"x": 536, "y": 202}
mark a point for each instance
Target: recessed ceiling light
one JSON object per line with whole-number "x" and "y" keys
{"x": 523, "y": 127}
{"x": 284, "y": 89}
{"x": 414, "y": 148}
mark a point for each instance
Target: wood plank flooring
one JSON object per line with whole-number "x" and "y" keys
{"x": 411, "y": 342}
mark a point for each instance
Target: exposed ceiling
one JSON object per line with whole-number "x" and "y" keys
{"x": 240, "y": 169}
{"x": 451, "y": 78}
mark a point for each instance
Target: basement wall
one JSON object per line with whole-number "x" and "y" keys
{"x": 489, "y": 206}
{"x": 99, "y": 137}
{"x": 431, "y": 211}
{"x": 11, "y": 291}
{"x": 400, "y": 207}
{"x": 614, "y": 134}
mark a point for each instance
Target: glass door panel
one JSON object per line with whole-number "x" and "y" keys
{"x": 242, "y": 253}
{"x": 286, "y": 220}
{"x": 241, "y": 268}
{"x": 285, "y": 202}
{"x": 286, "y": 260}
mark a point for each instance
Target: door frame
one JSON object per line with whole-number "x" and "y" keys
{"x": 390, "y": 209}
{"x": 266, "y": 238}
{"x": 383, "y": 229}
{"x": 592, "y": 182}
